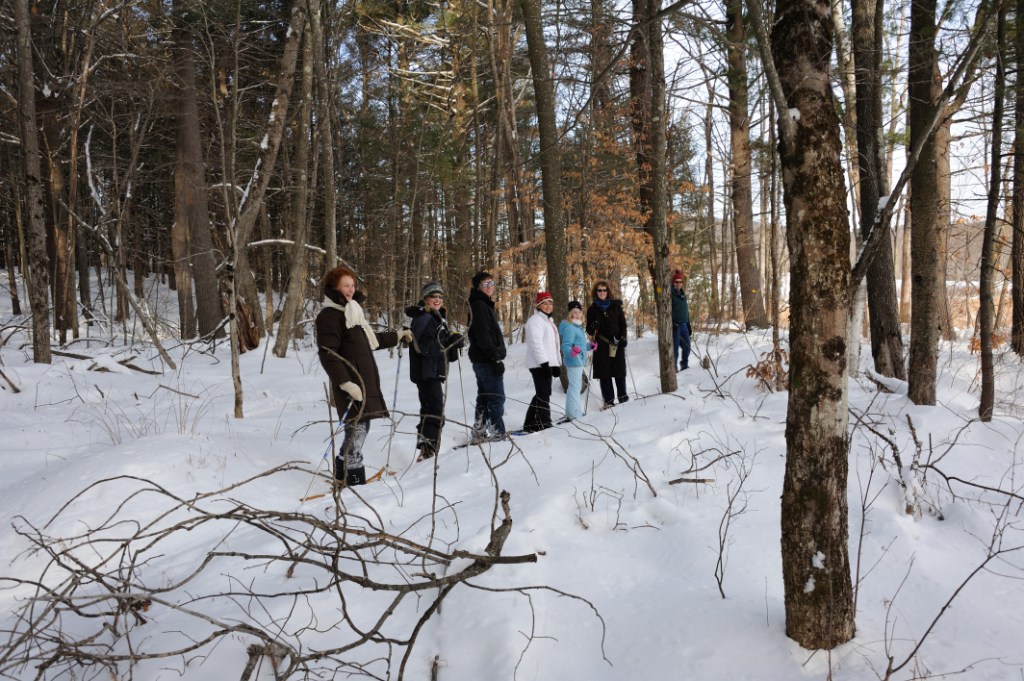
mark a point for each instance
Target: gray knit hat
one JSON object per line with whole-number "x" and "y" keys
{"x": 431, "y": 287}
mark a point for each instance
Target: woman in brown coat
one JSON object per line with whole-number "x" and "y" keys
{"x": 346, "y": 344}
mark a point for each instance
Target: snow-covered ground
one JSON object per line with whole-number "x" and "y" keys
{"x": 99, "y": 462}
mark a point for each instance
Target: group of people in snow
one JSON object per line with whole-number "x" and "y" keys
{"x": 346, "y": 343}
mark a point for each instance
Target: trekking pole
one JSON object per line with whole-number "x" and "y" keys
{"x": 328, "y": 450}
{"x": 632, "y": 378}
{"x": 394, "y": 407}
{"x": 590, "y": 382}
{"x": 462, "y": 387}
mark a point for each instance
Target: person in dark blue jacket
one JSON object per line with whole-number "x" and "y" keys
{"x": 433, "y": 348}
{"x": 681, "y": 329}
{"x": 486, "y": 352}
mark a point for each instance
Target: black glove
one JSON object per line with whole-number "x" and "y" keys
{"x": 457, "y": 341}
{"x": 689, "y": 329}
{"x": 622, "y": 342}
{"x": 556, "y": 372}
{"x": 499, "y": 368}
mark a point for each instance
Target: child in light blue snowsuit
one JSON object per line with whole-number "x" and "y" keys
{"x": 575, "y": 346}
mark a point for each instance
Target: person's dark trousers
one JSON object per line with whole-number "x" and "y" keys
{"x": 490, "y": 397}
{"x": 681, "y": 342}
{"x": 538, "y": 415}
{"x": 608, "y": 394}
{"x": 431, "y": 414}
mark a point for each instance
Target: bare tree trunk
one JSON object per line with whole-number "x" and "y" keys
{"x": 462, "y": 178}
{"x": 886, "y": 335}
{"x": 1017, "y": 249}
{"x": 39, "y": 263}
{"x": 190, "y": 200}
{"x": 245, "y": 284}
{"x": 647, "y": 110}
{"x": 815, "y": 532}
{"x": 986, "y": 320}
{"x": 550, "y": 156}
{"x": 742, "y": 195}
{"x": 295, "y": 296}
{"x": 906, "y": 284}
{"x": 944, "y": 187}
{"x": 12, "y": 238}
{"x": 924, "y": 209}
{"x": 715, "y": 307}
{"x": 325, "y": 118}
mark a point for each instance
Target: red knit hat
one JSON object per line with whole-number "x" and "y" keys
{"x": 541, "y": 297}
{"x": 677, "y": 276}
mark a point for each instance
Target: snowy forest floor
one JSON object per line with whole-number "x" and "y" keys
{"x": 140, "y": 478}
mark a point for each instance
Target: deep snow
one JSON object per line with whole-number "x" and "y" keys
{"x": 626, "y": 568}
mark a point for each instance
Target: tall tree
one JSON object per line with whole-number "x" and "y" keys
{"x": 647, "y": 111}
{"x": 38, "y": 262}
{"x": 191, "y": 207}
{"x": 986, "y": 311}
{"x": 295, "y": 296}
{"x": 550, "y": 156}
{"x": 751, "y": 283}
{"x": 325, "y": 125}
{"x": 270, "y": 146}
{"x": 886, "y": 336}
{"x": 924, "y": 206}
{"x": 1017, "y": 247}
{"x": 815, "y": 526}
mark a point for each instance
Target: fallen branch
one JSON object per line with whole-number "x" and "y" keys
{"x": 15, "y": 388}
{"x": 126, "y": 363}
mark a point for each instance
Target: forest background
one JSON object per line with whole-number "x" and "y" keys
{"x": 240, "y": 149}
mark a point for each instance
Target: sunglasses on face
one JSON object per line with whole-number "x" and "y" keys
{"x": 602, "y": 290}
{"x": 433, "y": 296}
{"x": 487, "y": 284}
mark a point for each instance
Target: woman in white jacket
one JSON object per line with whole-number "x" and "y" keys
{"x": 543, "y": 359}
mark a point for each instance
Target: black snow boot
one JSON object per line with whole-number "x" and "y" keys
{"x": 356, "y": 476}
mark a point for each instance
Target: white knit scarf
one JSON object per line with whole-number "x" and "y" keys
{"x": 354, "y": 317}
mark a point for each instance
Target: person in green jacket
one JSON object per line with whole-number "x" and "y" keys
{"x": 681, "y": 329}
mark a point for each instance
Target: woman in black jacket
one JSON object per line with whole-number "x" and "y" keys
{"x": 606, "y": 326}
{"x": 433, "y": 347}
{"x": 346, "y": 344}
